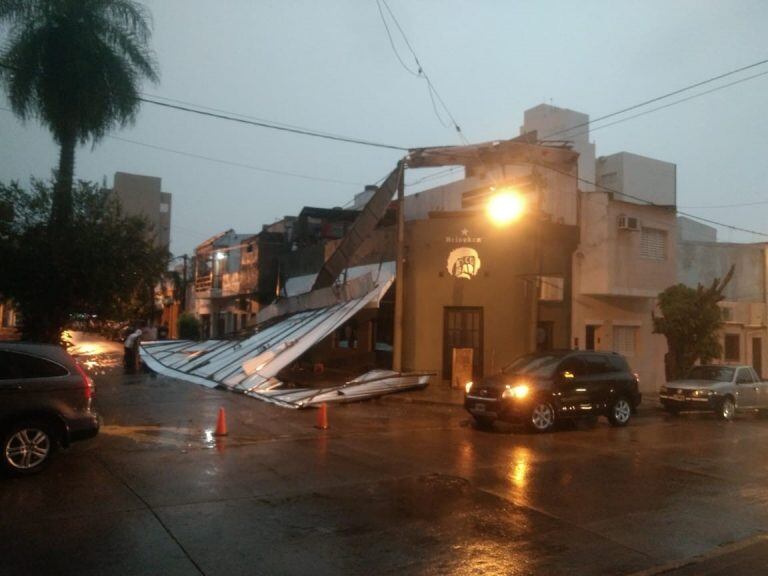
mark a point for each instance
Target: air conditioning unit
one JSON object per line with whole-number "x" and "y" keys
{"x": 629, "y": 223}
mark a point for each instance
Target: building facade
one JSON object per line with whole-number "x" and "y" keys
{"x": 235, "y": 274}
{"x": 143, "y": 196}
{"x": 744, "y": 334}
{"x": 490, "y": 293}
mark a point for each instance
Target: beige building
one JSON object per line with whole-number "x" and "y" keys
{"x": 142, "y": 196}
{"x": 745, "y": 330}
{"x": 471, "y": 286}
{"x": 619, "y": 270}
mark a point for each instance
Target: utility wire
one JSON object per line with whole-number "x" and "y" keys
{"x": 420, "y": 72}
{"x": 669, "y": 105}
{"x": 658, "y": 98}
{"x": 227, "y": 162}
{"x": 260, "y": 123}
{"x": 726, "y": 205}
{"x": 271, "y": 126}
{"x": 649, "y": 203}
{"x": 236, "y": 164}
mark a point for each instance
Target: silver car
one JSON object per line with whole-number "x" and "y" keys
{"x": 722, "y": 389}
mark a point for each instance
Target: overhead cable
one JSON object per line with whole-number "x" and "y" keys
{"x": 658, "y": 98}
{"x": 260, "y": 123}
{"x": 434, "y": 95}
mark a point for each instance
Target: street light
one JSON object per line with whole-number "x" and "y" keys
{"x": 505, "y": 206}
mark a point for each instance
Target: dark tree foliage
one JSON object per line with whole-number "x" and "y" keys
{"x": 189, "y": 327}
{"x": 104, "y": 263}
{"x": 690, "y": 321}
{"x": 76, "y": 66}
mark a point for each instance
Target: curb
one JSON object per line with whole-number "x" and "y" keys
{"x": 721, "y": 550}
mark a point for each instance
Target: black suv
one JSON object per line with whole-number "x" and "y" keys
{"x": 45, "y": 401}
{"x": 540, "y": 389}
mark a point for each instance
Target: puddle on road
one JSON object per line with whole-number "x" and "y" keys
{"x": 181, "y": 438}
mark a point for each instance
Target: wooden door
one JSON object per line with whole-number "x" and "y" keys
{"x": 463, "y": 328}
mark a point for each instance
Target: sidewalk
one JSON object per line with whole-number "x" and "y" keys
{"x": 437, "y": 392}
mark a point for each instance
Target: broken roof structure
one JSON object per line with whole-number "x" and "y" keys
{"x": 251, "y": 366}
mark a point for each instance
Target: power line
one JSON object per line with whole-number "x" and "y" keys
{"x": 227, "y": 162}
{"x": 649, "y": 203}
{"x": 259, "y": 123}
{"x": 676, "y": 102}
{"x": 726, "y": 205}
{"x": 301, "y": 131}
{"x": 433, "y": 93}
{"x": 657, "y": 98}
{"x": 236, "y": 164}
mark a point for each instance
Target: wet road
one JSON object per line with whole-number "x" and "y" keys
{"x": 390, "y": 488}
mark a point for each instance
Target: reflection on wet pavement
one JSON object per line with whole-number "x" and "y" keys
{"x": 97, "y": 355}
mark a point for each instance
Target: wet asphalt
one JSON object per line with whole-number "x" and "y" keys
{"x": 391, "y": 487}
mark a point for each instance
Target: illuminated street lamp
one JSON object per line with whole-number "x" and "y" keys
{"x": 505, "y": 206}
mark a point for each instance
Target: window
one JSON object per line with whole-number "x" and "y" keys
{"x": 726, "y": 314}
{"x": 732, "y": 347}
{"x": 618, "y": 364}
{"x": 597, "y": 365}
{"x": 551, "y": 288}
{"x": 14, "y": 365}
{"x": 744, "y": 376}
{"x": 574, "y": 366}
{"x": 653, "y": 244}
{"x": 624, "y": 340}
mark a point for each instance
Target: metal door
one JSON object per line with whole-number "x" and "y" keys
{"x": 463, "y": 328}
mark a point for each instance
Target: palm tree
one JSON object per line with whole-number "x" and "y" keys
{"x": 75, "y": 65}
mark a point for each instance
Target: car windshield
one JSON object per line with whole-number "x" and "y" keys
{"x": 714, "y": 373}
{"x": 533, "y": 365}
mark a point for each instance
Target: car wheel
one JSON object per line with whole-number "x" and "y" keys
{"x": 727, "y": 409}
{"x": 27, "y": 447}
{"x": 620, "y": 412}
{"x": 542, "y": 417}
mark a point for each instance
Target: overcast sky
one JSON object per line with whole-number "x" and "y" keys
{"x": 329, "y": 66}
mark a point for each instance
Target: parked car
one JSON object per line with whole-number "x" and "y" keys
{"x": 541, "y": 388}
{"x": 723, "y": 389}
{"x": 46, "y": 401}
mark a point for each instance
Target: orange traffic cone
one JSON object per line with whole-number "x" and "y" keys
{"x": 322, "y": 417}
{"x": 221, "y": 424}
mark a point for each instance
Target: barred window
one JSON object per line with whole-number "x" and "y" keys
{"x": 625, "y": 340}
{"x": 653, "y": 244}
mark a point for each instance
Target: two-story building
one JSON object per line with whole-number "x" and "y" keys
{"x": 626, "y": 257}
{"x": 235, "y": 274}
{"x": 702, "y": 259}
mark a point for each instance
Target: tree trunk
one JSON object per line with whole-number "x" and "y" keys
{"x": 61, "y": 209}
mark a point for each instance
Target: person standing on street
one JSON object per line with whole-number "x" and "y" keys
{"x": 131, "y": 352}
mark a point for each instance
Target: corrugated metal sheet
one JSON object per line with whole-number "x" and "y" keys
{"x": 251, "y": 365}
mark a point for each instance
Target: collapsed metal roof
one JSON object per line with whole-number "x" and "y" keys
{"x": 251, "y": 366}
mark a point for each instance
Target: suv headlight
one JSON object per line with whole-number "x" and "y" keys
{"x": 701, "y": 393}
{"x": 519, "y": 391}
{"x": 468, "y": 386}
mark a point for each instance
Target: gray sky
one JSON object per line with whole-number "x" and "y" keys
{"x": 329, "y": 66}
